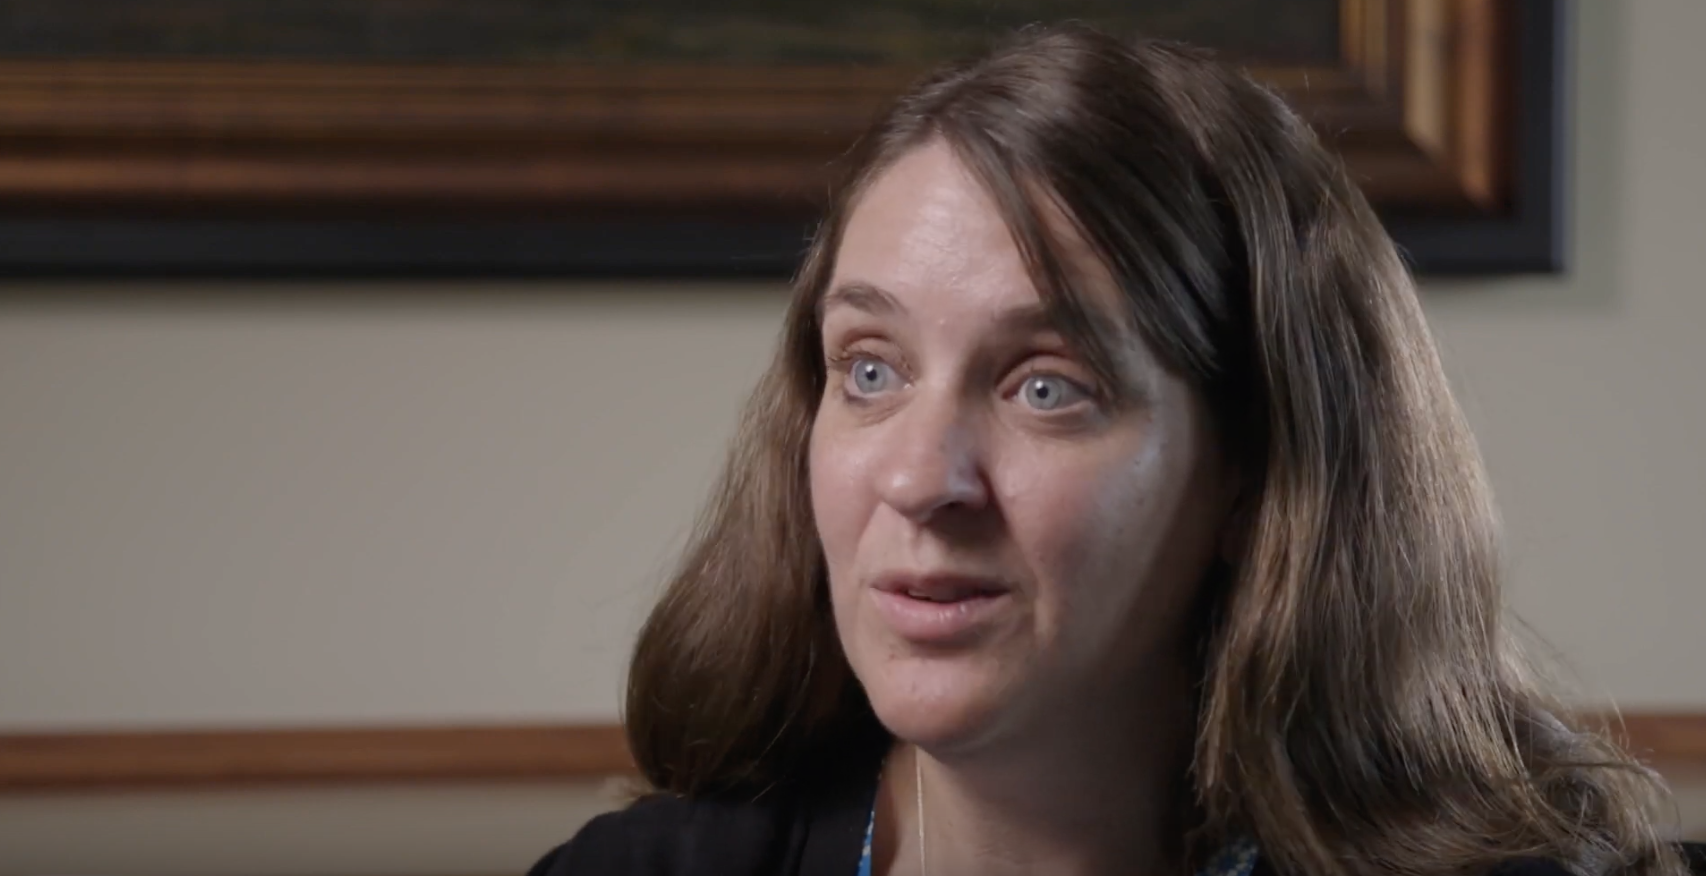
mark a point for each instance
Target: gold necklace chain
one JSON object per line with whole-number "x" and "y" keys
{"x": 918, "y": 782}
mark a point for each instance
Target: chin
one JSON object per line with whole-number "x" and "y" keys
{"x": 939, "y": 703}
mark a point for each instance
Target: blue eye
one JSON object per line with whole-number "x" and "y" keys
{"x": 870, "y": 376}
{"x": 1048, "y": 392}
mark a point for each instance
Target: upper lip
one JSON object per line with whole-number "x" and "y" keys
{"x": 940, "y": 585}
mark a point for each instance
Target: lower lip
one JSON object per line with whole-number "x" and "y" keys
{"x": 937, "y": 623}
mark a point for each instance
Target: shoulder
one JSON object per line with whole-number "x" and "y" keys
{"x": 1693, "y": 855}
{"x": 777, "y": 834}
{"x": 665, "y": 835}
{"x": 1531, "y": 867}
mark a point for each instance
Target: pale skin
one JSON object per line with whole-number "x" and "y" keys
{"x": 961, "y": 435}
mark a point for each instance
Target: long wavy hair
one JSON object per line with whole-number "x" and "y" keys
{"x": 1362, "y": 707}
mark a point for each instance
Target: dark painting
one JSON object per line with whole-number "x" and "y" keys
{"x": 668, "y": 136}
{"x": 645, "y": 31}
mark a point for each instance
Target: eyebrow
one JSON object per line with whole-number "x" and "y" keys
{"x": 869, "y": 298}
{"x": 860, "y": 296}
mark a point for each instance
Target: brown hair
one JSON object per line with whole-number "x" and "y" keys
{"x": 1362, "y": 708}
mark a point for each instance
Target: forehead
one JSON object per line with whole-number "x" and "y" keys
{"x": 929, "y": 232}
{"x": 925, "y": 227}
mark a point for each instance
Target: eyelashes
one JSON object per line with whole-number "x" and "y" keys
{"x": 868, "y": 376}
{"x": 1044, "y": 391}
{"x": 864, "y": 376}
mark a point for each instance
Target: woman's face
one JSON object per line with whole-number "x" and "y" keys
{"x": 1005, "y": 546}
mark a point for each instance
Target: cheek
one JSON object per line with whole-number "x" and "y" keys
{"x": 837, "y": 498}
{"x": 1092, "y": 529}
{"x": 840, "y": 509}
{"x": 1065, "y": 517}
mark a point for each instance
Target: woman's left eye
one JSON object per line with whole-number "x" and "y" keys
{"x": 1051, "y": 392}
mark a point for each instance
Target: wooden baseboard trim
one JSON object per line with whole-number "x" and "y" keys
{"x": 314, "y": 757}
{"x": 1667, "y": 740}
{"x": 329, "y": 757}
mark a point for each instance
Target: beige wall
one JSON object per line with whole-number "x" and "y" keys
{"x": 235, "y": 506}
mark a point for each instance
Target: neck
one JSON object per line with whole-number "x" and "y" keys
{"x": 1091, "y": 794}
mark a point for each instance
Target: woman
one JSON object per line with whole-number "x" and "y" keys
{"x": 1104, "y": 510}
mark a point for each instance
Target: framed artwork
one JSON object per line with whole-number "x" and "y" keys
{"x": 665, "y": 137}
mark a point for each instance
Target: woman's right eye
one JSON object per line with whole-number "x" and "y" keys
{"x": 867, "y": 376}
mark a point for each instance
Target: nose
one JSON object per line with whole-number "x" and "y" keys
{"x": 933, "y": 462}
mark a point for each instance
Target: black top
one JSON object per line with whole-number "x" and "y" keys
{"x": 816, "y": 827}
{"x": 815, "y": 833}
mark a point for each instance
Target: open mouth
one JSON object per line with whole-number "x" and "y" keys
{"x": 955, "y": 593}
{"x": 939, "y": 609}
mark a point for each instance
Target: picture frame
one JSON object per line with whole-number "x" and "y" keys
{"x": 1450, "y": 113}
